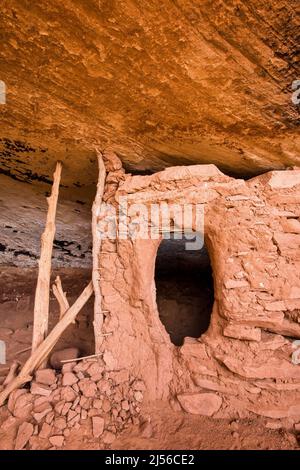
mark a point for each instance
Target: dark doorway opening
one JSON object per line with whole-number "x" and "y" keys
{"x": 184, "y": 289}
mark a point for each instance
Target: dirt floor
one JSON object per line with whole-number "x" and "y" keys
{"x": 160, "y": 427}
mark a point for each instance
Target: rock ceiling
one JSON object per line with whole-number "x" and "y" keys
{"x": 161, "y": 82}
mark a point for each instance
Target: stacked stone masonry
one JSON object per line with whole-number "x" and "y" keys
{"x": 243, "y": 363}
{"x": 81, "y": 394}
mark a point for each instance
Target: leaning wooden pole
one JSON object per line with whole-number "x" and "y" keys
{"x": 96, "y": 210}
{"x": 41, "y": 353}
{"x": 61, "y": 297}
{"x": 42, "y": 294}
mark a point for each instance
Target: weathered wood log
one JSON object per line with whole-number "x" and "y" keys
{"x": 44, "y": 349}
{"x": 96, "y": 213}
{"x": 42, "y": 293}
{"x": 13, "y": 371}
{"x": 60, "y": 297}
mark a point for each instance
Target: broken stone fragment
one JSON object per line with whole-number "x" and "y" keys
{"x": 39, "y": 416}
{"x": 39, "y": 401}
{"x": 275, "y": 411}
{"x": 55, "y": 395}
{"x": 77, "y": 409}
{"x": 294, "y": 292}
{"x": 84, "y": 402}
{"x": 75, "y": 402}
{"x": 235, "y": 284}
{"x": 276, "y": 306}
{"x": 108, "y": 437}
{"x": 65, "y": 409}
{"x": 103, "y": 386}
{"x": 60, "y": 423}
{"x": 45, "y": 376}
{"x": 87, "y": 387}
{"x": 273, "y": 425}
{"x": 71, "y": 415}
{"x": 57, "y": 441}
{"x": 138, "y": 385}
{"x": 234, "y": 425}
{"x": 59, "y": 406}
{"x": 39, "y": 389}
{"x": 118, "y": 396}
{"x": 81, "y": 366}
{"x": 95, "y": 371}
{"x": 45, "y": 431}
{"x": 8, "y": 423}
{"x": 74, "y": 421}
{"x": 23, "y": 406}
{"x": 206, "y": 404}
{"x": 242, "y": 332}
{"x": 291, "y": 225}
{"x": 93, "y": 412}
{"x": 39, "y": 408}
{"x": 123, "y": 414}
{"x": 13, "y": 397}
{"x": 63, "y": 355}
{"x": 275, "y": 368}
{"x": 25, "y": 431}
{"x": 125, "y": 405}
{"x": 138, "y": 396}
{"x": 49, "y": 417}
{"x": 75, "y": 388}
{"x": 109, "y": 360}
{"x": 69, "y": 379}
{"x": 98, "y": 426}
{"x": 97, "y": 404}
{"x": 284, "y": 179}
{"x": 287, "y": 243}
{"x": 106, "y": 405}
{"x": 68, "y": 367}
{"x": 68, "y": 394}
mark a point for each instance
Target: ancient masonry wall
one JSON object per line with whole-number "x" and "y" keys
{"x": 243, "y": 363}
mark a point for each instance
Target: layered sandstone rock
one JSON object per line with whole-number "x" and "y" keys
{"x": 162, "y": 84}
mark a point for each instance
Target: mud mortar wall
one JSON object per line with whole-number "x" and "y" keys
{"x": 243, "y": 363}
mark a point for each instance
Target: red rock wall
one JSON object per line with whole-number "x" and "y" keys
{"x": 243, "y": 363}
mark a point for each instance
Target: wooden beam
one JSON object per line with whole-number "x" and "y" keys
{"x": 96, "y": 214}
{"x": 60, "y": 297}
{"x": 42, "y": 293}
{"x": 42, "y": 352}
{"x": 13, "y": 372}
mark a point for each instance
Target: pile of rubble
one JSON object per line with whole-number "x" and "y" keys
{"x": 83, "y": 392}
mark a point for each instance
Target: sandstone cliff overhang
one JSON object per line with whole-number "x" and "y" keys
{"x": 175, "y": 83}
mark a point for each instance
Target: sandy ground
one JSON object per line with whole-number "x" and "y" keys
{"x": 166, "y": 429}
